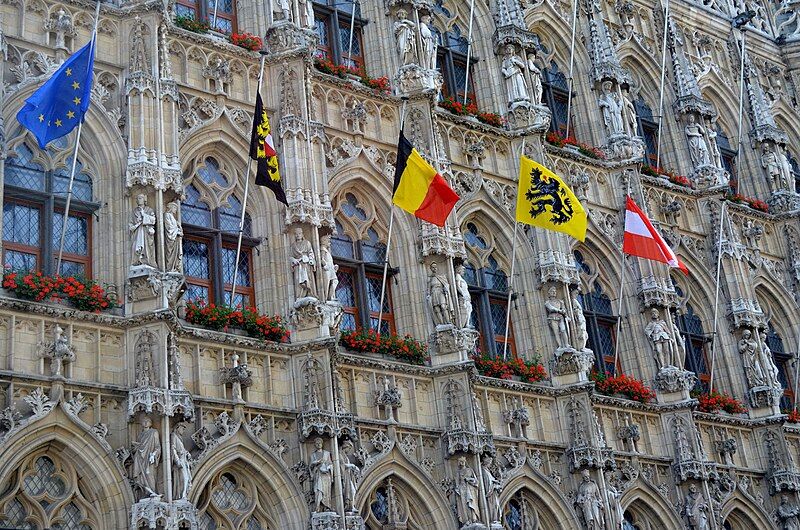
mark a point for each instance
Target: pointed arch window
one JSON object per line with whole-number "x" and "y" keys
{"x": 697, "y": 342}
{"x": 727, "y": 156}
{"x": 451, "y": 60}
{"x": 332, "y": 26}
{"x": 783, "y": 361}
{"x": 33, "y": 213}
{"x": 360, "y": 271}
{"x": 230, "y": 501}
{"x": 520, "y": 512}
{"x": 555, "y": 94}
{"x": 209, "y": 243}
{"x": 648, "y": 130}
{"x": 601, "y": 323}
{"x": 488, "y": 286}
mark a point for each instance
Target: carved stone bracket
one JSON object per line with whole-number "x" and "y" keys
{"x": 783, "y": 201}
{"x": 623, "y": 147}
{"x": 764, "y": 396}
{"x": 657, "y": 292}
{"x": 304, "y": 207}
{"x": 153, "y": 513}
{"x": 556, "y": 266}
{"x": 412, "y": 79}
{"x": 437, "y": 241}
{"x": 284, "y": 38}
{"x": 745, "y": 313}
{"x": 671, "y": 380}
{"x": 449, "y": 344}
{"x": 319, "y": 422}
{"x": 466, "y": 441}
{"x": 569, "y": 361}
{"x": 160, "y": 401}
{"x": 325, "y": 521}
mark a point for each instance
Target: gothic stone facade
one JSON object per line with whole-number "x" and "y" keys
{"x": 133, "y": 418}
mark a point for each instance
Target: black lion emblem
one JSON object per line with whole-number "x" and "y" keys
{"x": 548, "y": 192}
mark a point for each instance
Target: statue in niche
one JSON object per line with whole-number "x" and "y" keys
{"x": 774, "y": 161}
{"x": 492, "y": 488}
{"x": 464, "y": 298}
{"x": 143, "y": 233}
{"x": 173, "y": 356}
{"x": 695, "y": 509}
{"x": 557, "y": 318}
{"x": 754, "y": 366}
{"x": 350, "y": 473}
{"x": 786, "y": 168}
{"x": 513, "y": 70}
{"x": 657, "y": 331}
{"x": 630, "y": 114}
{"x": 429, "y": 43}
{"x": 304, "y": 265}
{"x": 467, "y": 493}
{"x": 439, "y": 295}
{"x": 329, "y": 269}
{"x": 536, "y": 78}
{"x": 696, "y": 136}
{"x": 146, "y": 457}
{"x": 58, "y": 352}
{"x": 306, "y": 10}
{"x": 173, "y": 239}
{"x": 181, "y": 464}
{"x": 406, "y": 35}
{"x": 711, "y": 134}
{"x": 617, "y": 513}
{"x": 591, "y": 503}
{"x": 581, "y": 333}
{"x": 144, "y": 358}
{"x": 768, "y": 362}
{"x": 611, "y": 106}
{"x": 788, "y": 514}
{"x": 284, "y": 8}
{"x": 321, "y": 470}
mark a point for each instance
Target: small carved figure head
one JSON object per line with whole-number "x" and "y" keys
{"x": 461, "y": 270}
{"x": 426, "y": 19}
{"x": 401, "y": 14}
{"x": 654, "y": 314}
{"x": 585, "y": 477}
{"x": 693, "y": 489}
{"x": 551, "y": 292}
{"x": 607, "y": 86}
{"x": 325, "y": 241}
{"x": 141, "y": 199}
{"x": 146, "y": 422}
{"x": 298, "y": 234}
{"x": 318, "y": 443}
{"x": 746, "y": 334}
{"x": 487, "y": 460}
{"x": 434, "y": 267}
{"x": 691, "y": 119}
{"x": 462, "y": 462}
{"x": 509, "y": 50}
{"x": 172, "y": 207}
{"x": 180, "y": 428}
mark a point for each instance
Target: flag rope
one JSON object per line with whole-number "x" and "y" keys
{"x": 65, "y": 220}
{"x": 246, "y": 192}
{"x": 389, "y": 236}
{"x": 716, "y": 296}
{"x": 661, "y": 86}
{"x": 571, "y": 61}
{"x": 469, "y": 49}
{"x": 513, "y": 264}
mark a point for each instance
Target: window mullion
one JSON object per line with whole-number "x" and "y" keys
{"x": 486, "y": 323}
{"x": 362, "y": 298}
{"x": 218, "y": 288}
{"x": 336, "y": 48}
{"x": 46, "y": 236}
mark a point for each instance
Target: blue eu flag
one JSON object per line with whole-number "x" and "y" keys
{"x": 60, "y": 103}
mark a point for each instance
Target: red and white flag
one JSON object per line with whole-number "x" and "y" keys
{"x": 642, "y": 240}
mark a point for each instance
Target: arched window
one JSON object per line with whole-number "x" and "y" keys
{"x": 33, "y": 213}
{"x": 696, "y": 341}
{"x": 47, "y": 494}
{"x": 488, "y": 285}
{"x": 555, "y": 94}
{"x": 230, "y": 501}
{"x": 783, "y": 361}
{"x": 393, "y": 504}
{"x": 600, "y": 320}
{"x": 795, "y": 167}
{"x": 210, "y": 237}
{"x": 648, "y": 130}
{"x": 520, "y": 512}
{"x": 360, "y": 272}
{"x": 451, "y": 60}
{"x": 727, "y": 157}
{"x": 332, "y": 26}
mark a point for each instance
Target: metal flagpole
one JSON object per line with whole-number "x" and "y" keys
{"x": 65, "y": 220}
{"x": 352, "y": 26}
{"x": 661, "y": 89}
{"x": 513, "y": 264}
{"x": 716, "y": 295}
{"x": 246, "y": 192}
{"x": 389, "y": 237}
{"x": 214, "y": 20}
{"x": 469, "y": 48}
{"x": 571, "y": 60}
{"x": 741, "y": 105}
{"x": 796, "y": 369}
{"x": 621, "y": 286}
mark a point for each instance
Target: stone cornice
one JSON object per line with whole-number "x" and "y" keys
{"x": 738, "y": 421}
{"x": 655, "y": 408}
{"x": 341, "y": 357}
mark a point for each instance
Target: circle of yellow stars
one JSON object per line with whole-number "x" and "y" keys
{"x": 76, "y": 100}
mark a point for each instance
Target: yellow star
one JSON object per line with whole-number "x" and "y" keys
{"x": 70, "y": 114}
{"x": 69, "y": 72}
{"x": 58, "y": 123}
{"x": 77, "y": 101}
{"x": 41, "y": 118}
{"x": 76, "y": 85}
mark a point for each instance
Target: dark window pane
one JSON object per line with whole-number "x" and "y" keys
{"x": 193, "y": 210}
{"x": 223, "y": 6}
{"x": 230, "y": 217}
{"x": 196, "y": 292}
{"x": 239, "y": 300}
{"x": 77, "y": 239}
{"x": 228, "y": 260}
{"x": 472, "y": 237}
{"x": 19, "y": 261}
{"x": 348, "y": 322}
{"x": 184, "y": 11}
{"x": 22, "y": 172}
{"x": 372, "y": 250}
{"x": 341, "y": 244}
{"x": 223, "y": 24}
{"x": 351, "y": 208}
{"x": 471, "y": 275}
{"x": 385, "y": 327}
{"x": 345, "y": 291}
{"x": 498, "y": 316}
{"x": 513, "y": 515}
{"x": 374, "y": 294}
{"x": 210, "y": 173}
{"x": 21, "y": 224}
{"x": 81, "y": 185}
{"x": 70, "y": 268}
{"x": 195, "y": 259}
{"x": 344, "y": 40}
{"x": 380, "y": 506}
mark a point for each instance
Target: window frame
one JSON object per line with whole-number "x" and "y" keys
{"x": 595, "y": 320}
{"x": 694, "y": 342}
{"x": 483, "y": 298}
{"x": 334, "y": 20}
{"x": 205, "y": 13}
{"x": 446, "y": 60}
{"x": 647, "y": 129}
{"x": 551, "y": 93}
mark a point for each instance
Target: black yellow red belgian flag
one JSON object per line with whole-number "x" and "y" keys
{"x": 418, "y": 188}
{"x": 262, "y": 150}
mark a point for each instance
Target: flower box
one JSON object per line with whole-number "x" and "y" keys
{"x": 514, "y": 369}
{"x": 793, "y": 416}
{"x": 718, "y": 401}
{"x": 326, "y": 66}
{"x": 622, "y": 385}
{"x": 574, "y": 145}
{"x": 190, "y": 24}
{"x": 84, "y": 295}
{"x": 657, "y": 172}
{"x": 248, "y": 41}
{"x": 755, "y": 204}
{"x": 470, "y": 110}
{"x": 230, "y": 319}
{"x": 404, "y": 348}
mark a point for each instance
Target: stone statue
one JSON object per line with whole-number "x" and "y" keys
{"x": 513, "y": 69}
{"x": 59, "y": 352}
{"x": 439, "y": 294}
{"x": 321, "y": 470}
{"x": 405, "y": 33}
{"x": 611, "y": 106}
{"x": 769, "y": 161}
{"x": 284, "y": 8}
{"x": 536, "y": 79}
{"x": 464, "y": 298}
{"x": 350, "y": 473}
{"x": 429, "y": 44}
{"x": 146, "y": 457}
{"x": 788, "y": 514}
{"x": 630, "y": 114}
{"x": 696, "y": 136}
{"x": 143, "y": 233}
{"x": 756, "y": 371}
{"x": 711, "y": 134}
{"x": 768, "y": 362}
{"x": 304, "y": 265}
{"x": 591, "y": 503}
{"x": 786, "y": 168}
{"x": 173, "y": 239}
{"x": 581, "y": 333}
{"x": 695, "y": 509}
{"x": 62, "y": 26}
{"x": 306, "y": 9}
{"x": 657, "y": 331}
{"x": 492, "y": 489}
{"x": 329, "y": 269}
{"x": 617, "y": 513}
{"x": 557, "y": 318}
{"x": 467, "y": 493}
{"x": 181, "y": 464}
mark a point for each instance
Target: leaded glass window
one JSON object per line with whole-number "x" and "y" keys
{"x": 332, "y": 26}
{"x": 451, "y": 60}
{"x": 648, "y": 130}
{"x": 231, "y": 501}
{"x": 601, "y": 323}
{"x": 555, "y": 94}
{"x": 225, "y": 11}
